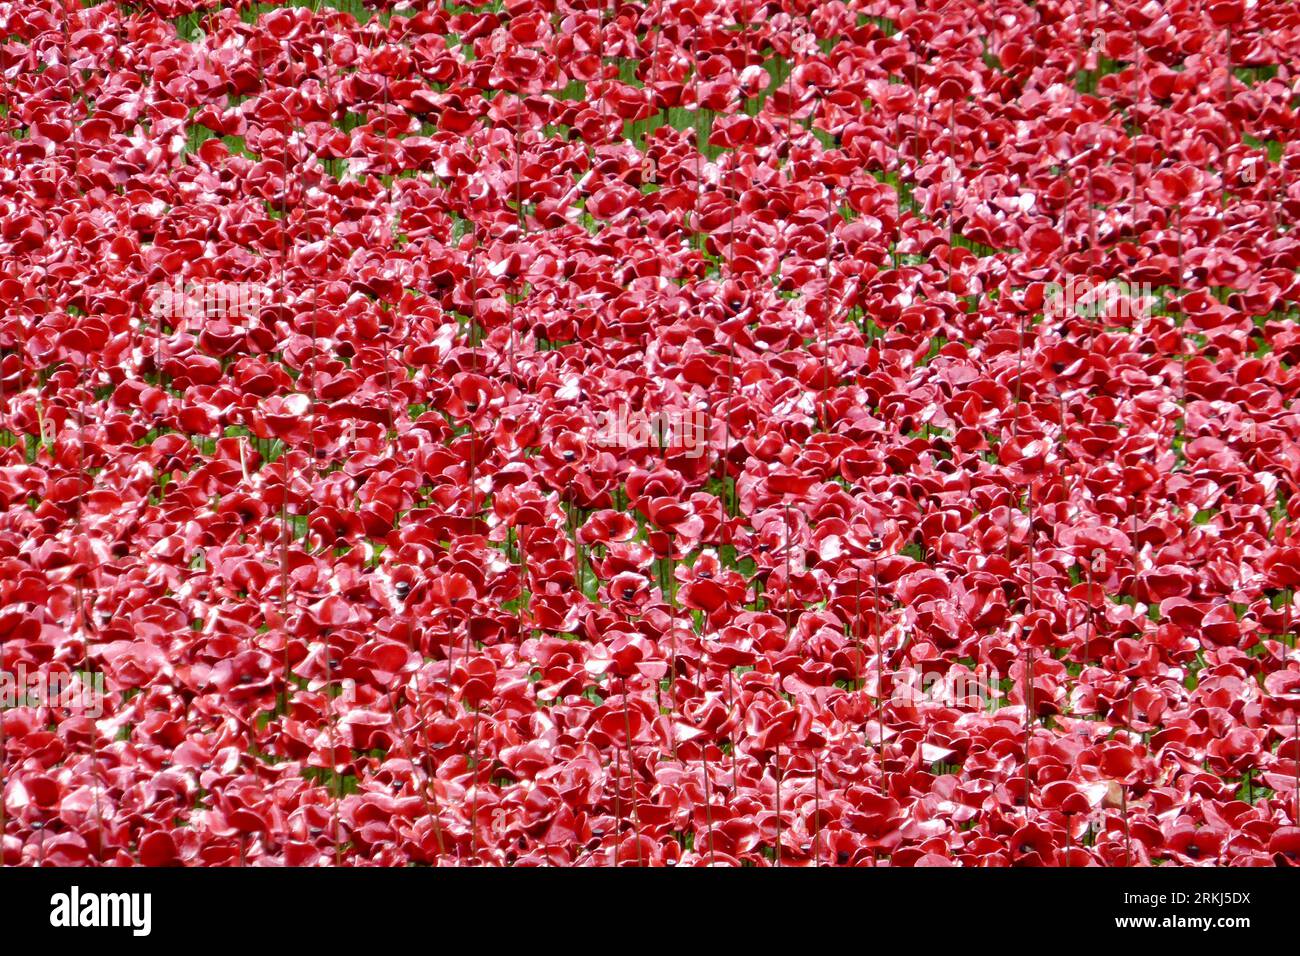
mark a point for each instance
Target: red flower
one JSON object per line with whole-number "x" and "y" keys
{"x": 961, "y": 373}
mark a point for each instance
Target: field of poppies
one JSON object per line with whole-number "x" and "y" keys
{"x": 671, "y": 432}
